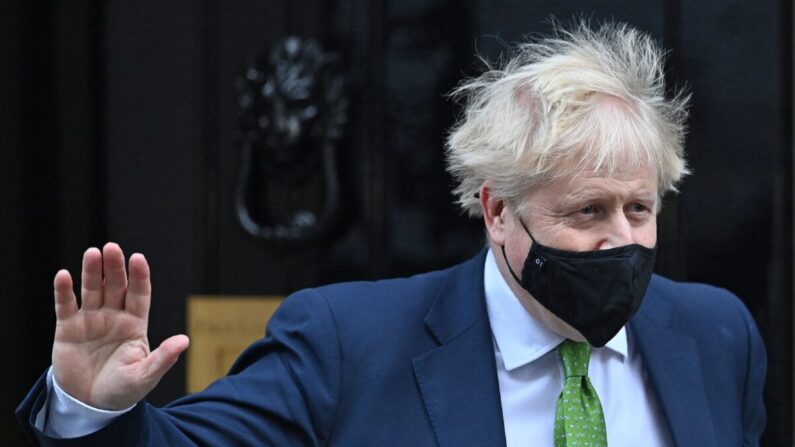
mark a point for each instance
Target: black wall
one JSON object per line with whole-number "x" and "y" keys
{"x": 119, "y": 122}
{"x": 51, "y": 199}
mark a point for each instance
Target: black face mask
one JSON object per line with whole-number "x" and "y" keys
{"x": 595, "y": 292}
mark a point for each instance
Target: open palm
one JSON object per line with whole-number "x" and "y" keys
{"x": 101, "y": 353}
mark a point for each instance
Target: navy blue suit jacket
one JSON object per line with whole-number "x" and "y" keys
{"x": 410, "y": 362}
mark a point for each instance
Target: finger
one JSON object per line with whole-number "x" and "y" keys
{"x": 91, "y": 279}
{"x": 65, "y": 299}
{"x": 139, "y": 292}
{"x": 164, "y": 357}
{"x": 115, "y": 276}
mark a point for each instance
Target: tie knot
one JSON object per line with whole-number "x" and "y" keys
{"x": 575, "y": 356}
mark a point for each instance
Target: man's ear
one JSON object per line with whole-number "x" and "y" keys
{"x": 493, "y": 214}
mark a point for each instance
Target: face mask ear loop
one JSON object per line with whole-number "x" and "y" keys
{"x": 503, "y": 248}
{"x": 525, "y": 229}
{"x": 509, "y": 266}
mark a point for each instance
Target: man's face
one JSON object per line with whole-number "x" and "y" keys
{"x": 589, "y": 211}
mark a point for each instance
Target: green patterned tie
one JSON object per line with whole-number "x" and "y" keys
{"x": 579, "y": 420}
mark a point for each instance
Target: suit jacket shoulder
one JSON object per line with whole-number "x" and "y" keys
{"x": 697, "y": 303}
{"x": 706, "y": 360}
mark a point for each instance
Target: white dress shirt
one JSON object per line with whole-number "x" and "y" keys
{"x": 529, "y": 372}
{"x": 63, "y": 416}
{"x": 530, "y": 377}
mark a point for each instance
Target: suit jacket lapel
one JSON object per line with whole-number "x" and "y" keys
{"x": 458, "y": 379}
{"x": 671, "y": 360}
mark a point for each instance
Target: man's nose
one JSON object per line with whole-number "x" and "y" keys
{"x": 617, "y": 232}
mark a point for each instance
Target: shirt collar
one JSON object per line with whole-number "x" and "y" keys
{"x": 519, "y": 337}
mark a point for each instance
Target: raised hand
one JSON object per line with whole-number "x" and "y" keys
{"x": 101, "y": 353}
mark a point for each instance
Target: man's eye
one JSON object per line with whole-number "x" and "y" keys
{"x": 638, "y": 208}
{"x": 590, "y": 209}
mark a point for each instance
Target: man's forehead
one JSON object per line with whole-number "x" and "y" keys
{"x": 621, "y": 174}
{"x": 640, "y": 181}
{"x": 573, "y": 173}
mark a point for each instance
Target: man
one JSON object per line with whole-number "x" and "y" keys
{"x": 557, "y": 334}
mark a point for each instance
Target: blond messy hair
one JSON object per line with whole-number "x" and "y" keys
{"x": 581, "y": 99}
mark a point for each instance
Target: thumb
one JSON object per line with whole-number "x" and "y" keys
{"x": 159, "y": 361}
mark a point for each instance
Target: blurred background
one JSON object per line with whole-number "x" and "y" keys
{"x": 173, "y": 129}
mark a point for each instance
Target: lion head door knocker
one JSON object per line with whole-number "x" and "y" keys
{"x": 292, "y": 113}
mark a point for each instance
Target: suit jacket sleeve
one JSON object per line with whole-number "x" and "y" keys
{"x": 283, "y": 390}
